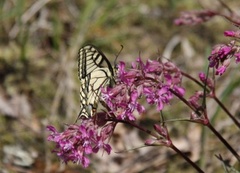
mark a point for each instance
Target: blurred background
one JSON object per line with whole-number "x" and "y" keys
{"x": 39, "y": 43}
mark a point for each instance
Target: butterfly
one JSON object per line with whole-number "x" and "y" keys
{"x": 94, "y": 72}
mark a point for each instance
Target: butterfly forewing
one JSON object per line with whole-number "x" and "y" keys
{"x": 90, "y": 59}
{"x": 93, "y": 76}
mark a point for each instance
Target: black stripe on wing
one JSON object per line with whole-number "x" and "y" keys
{"x": 89, "y": 59}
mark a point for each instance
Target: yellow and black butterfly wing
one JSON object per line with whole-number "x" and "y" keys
{"x": 90, "y": 58}
{"x": 94, "y": 72}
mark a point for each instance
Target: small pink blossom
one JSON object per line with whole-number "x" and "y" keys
{"x": 237, "y": 57}
{"x": 164, "y": 138}
{"x": 221, "y": 56}
{"x": 209, "y": 82}
{"x": 194, "y": 17}
{"x": 221, "y": 70}
{"x": 229, "y": 33}
{"x": 235, "y": 34}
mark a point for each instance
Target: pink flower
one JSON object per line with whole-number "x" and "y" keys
{"x": 229, "y": 33}
{"x": 237, "y": 59}
{"x": 152, "y": 80}
{"x": 78, "y": 141}
{"x": 221, "y": 70}
{"x": 195, "y": 99}
{"x": 164, "y": 138}
{"x": 235, "y": 34}
{"x": 221, "y": 56}
{"x": 194, "y": 17}
{"x": 209, "y": 82}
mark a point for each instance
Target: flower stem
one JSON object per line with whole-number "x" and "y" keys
{"x": 223, "y": 141}
{"x": 187, "y": 159}
{"x": 183, "y": 100}
{"x": 137, "y": 126}
{"x": 192, "y": 78}
{"x": 227, "y": 112}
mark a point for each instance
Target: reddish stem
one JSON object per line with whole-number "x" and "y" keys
{"x": 186, "y": 158}
{"x": 223, "y": 141}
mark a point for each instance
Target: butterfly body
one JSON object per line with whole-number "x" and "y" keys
{"x": 94, "y": 72}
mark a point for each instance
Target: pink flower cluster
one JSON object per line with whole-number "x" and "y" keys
{"x": 221, "y": 55}
{"x": 154, "y": 80}
{"x": 194, "y": 17}
{"x": 78, "y": 141}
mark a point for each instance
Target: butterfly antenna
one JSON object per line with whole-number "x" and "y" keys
{"x": 115, "y": 61}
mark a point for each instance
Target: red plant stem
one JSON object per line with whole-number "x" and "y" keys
{"x": 186, "y": 158}
{"x": 226, "y": 110}
{"x": 192, "y": 78}
{"x": 223, "y": 141}
{"x": 183, "y": 100}
{"x": 135, "y": 125}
